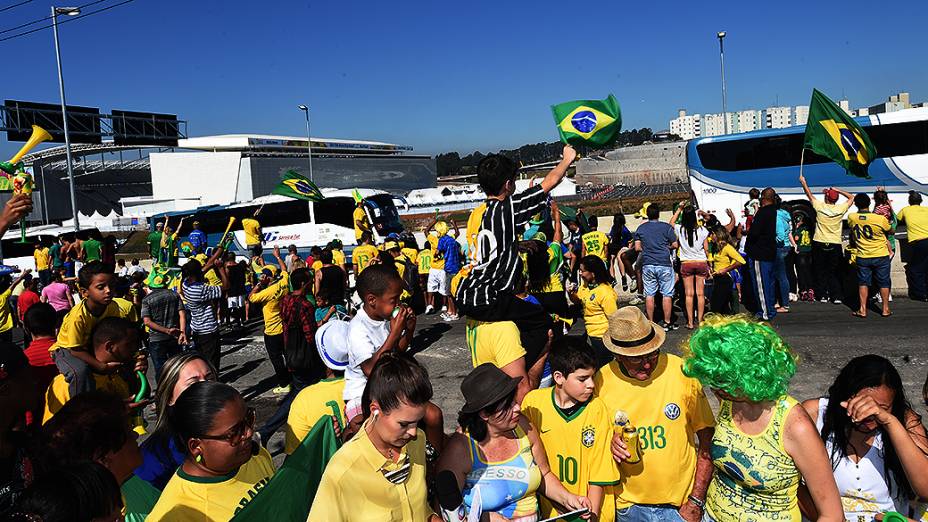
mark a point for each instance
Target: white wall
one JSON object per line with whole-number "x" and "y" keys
{"x": 212, "y": 176}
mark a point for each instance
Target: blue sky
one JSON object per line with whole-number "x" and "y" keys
{"x": 460, "y": 75}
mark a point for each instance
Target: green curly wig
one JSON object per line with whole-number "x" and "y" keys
{"x": 741, "y": 357}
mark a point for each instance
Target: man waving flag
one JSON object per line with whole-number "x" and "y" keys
{"x": 832, "y": 133}
{"x": 589, "y": 122}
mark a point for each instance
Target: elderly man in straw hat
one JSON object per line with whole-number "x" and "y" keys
{"x": 672, "y": 421}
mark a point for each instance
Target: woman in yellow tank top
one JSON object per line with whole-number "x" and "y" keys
{"x": 763, "y": 443}
{"x": 499, "y": 460}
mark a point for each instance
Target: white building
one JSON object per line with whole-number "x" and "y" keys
{"x": 777, "y": 117}
{"x": 846, "y": 105}
{"x": 801, "y": 115}
{"x": 746, "y": 121}
{"x": 714, "y": 124}
{"x": 687, "y": 127}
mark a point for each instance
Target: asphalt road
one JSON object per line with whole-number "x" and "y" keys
{"x": 825, "y": 337}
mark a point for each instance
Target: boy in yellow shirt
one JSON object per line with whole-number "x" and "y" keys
{"x": 324, "y": 397}
{"x": 576, "y": 429}
{"x": 595, "y": 243}
{"x": 363, "y": 254}
{"x": 116, "y": 346}
{"x": 72, "y": 352}
{"x": 270, "y": 288}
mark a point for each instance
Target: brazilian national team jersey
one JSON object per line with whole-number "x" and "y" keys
{"x": 577, "y": 446}
{"x": 869, "y": 232}
{"x": 596, "y": 244}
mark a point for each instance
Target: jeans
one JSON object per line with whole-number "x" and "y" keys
{"x": 160, "y": 352}
{"x": 763, "y": 287}
{"x": 804, "y": 270}
{"x": 274, "y": 344}
{"x": 724, "y": 296}
{"x": 917, "y": 269}
{"x": 657, "y": 278}
{"x": 300, "y": 380}
{"x": 782, "y": 282}
{"x": 642, "y": 513}
{"x": 828, "y": 264}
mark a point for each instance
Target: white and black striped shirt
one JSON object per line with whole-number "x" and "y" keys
{"x": 198, "y": 298}
{"x": 498, "y": 264}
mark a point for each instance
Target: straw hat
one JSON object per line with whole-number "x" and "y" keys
{"x": 631, "y": 334}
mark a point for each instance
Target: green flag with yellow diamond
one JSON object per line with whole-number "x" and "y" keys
{"x": 832, "y": 133}
{"x": 297, "y": 186}
{"x": 588, "y": 122}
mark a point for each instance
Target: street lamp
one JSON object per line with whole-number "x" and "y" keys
{"x": 309, "y": 144}
{"x": 67, "y": 11}
{"x": 721, "y": 36}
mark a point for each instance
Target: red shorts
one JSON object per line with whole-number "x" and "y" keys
{"x": 694, "y": 268}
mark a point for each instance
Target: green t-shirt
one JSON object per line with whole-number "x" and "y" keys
{"x": 154, "y": 242}
{"x": 803, "y": 237}
{"x": 92, "y": 250}
{"x": 55, "y": 253}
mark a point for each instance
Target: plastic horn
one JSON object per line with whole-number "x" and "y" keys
{"x": 143, "y": 387}
{"x": 225, "y": 234}
{"x": 38, "y": 136}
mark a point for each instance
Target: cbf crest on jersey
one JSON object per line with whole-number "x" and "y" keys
{"x": 588, "y": 436}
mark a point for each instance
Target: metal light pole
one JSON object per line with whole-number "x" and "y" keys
{"x": 70, "y": 11}
{"x": 721, "y": 36}
{"x": 309, "y": 144}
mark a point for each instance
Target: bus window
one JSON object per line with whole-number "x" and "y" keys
{"x": 284, "y": 213}
{"x": 387, "y": 219}
{"x": 766, "y": 152}
{"x": 336, "y": 211}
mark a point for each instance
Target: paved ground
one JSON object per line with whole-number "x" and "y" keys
{"x": 825, "y": 336}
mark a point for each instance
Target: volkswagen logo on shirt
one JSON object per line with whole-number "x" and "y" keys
{"x": 672, "y": 411}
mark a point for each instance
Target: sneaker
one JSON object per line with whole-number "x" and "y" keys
{"x": 823, "y": 300}
{"x": 836, "y": 301}
{"x": 444, "y": 308}
{"x": 450, "y": 317}
{"x": 793, "y": 297}
{"x": 669, "y": 326}
{"x": 444, "y": 315}
{"x": 635, "y": 301}
{"x": 429, "y": 309}
{"x": 281, "y": 390}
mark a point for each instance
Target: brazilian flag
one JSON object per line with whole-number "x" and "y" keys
{"x": 299, "y": 187}
{"x": 832, "y": 133}
{"x": 588, "y": 122}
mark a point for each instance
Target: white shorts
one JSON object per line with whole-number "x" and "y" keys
{"x": 236, "y": 302}
{"x": 438, "y": 281}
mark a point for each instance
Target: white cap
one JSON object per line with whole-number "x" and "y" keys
{"x": 332, "y": 343}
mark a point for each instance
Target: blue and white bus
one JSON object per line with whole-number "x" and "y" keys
{"x": 722, "y": 169}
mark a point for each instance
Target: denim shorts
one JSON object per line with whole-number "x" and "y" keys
{"x": 641, "y": 513}
{"x": 873, "y": 269}
{"x": 656, "y": 277}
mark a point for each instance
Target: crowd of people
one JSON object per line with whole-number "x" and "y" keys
{"x": 593, "y": 422}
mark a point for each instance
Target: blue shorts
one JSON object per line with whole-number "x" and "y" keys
{"x": 873, "y": 269}
{"x": 656, "y": 277}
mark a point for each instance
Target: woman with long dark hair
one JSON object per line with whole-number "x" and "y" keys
{"x": 223, "y": 466}
{"x": 876, "y": 441}
{"x": 694, "y": 261}
{"x": 599, "y": 301}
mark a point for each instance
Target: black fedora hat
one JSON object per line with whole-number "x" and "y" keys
{"x": 485, "y": 385}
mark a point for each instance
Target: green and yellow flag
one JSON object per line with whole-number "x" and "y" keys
{"x": 590, "y": 122}
{"x": 832, "y": 133}
{"x": 299, "y": 187}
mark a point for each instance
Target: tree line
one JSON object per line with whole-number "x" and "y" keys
{"x": 453, "y": 164}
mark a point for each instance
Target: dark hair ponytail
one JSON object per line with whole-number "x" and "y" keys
{"x": 193, "y": 412}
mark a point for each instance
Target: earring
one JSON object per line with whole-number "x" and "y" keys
{"x": 198, "y": 459}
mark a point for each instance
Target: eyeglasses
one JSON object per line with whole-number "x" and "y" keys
{"x": 641, "y": 359}
{"x": 236, "y": 434}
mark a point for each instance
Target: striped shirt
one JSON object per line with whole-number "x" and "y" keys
{"x": 198, "y": 298}
{"x": 497, "y": 264}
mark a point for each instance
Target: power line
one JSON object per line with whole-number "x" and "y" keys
{"x": 40, "y": 20}
{"x": 69, "y": 19}
{"x": 7, "y": 8}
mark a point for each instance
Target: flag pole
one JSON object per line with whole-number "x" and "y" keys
{"x": 802, "y": 157}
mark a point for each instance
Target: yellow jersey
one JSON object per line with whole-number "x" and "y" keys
{"x": 668, "y": 409}
{"x": 726, "y": 257}
{"x": 6, "y": 313}
{"x": 42, "y": 259}
{"x": 310, "y": 405}
{"x": 411, "y": 253}
{"x": 424, "y": 261}
{"x": 598, "y": 304}
{"x": 338, "y": 258}
{"x": 58, "y": 393}
{"x": 252, "y": 229}
{"x": 78, "y": 324}
{"x": 828, "y": 217}
{"x": 495, "y": 342}
{"x": 578, "y": 446}
{"x": 212, "y": 278}
{"x": 596, "y": 244}
{"x": 200, "y": 499}
{"x": 438, "y": 262}
{"x": 362, "y": 255}
{"x": 359, "y": 217}
{"x": 353, "y": 487}
{"x": 555, "y": 261}
{"x": 270, "y": 298}
{"x": 915, "y": 218}
{"x": 868, "y": 231}
{"x": 127, "y": 309}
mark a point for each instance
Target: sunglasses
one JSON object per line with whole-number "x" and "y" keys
{"x": 400, "y": 473}
{"x": 236, "y": 434}
{"x": 641, "y": 359}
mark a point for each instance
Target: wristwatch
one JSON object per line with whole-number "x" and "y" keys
{"x": 701, "y": 504}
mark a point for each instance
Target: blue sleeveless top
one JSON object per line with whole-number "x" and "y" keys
{"x": 505, "y": 487}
